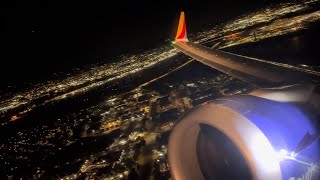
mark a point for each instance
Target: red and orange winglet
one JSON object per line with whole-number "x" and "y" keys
{"x": 182, "y": 29}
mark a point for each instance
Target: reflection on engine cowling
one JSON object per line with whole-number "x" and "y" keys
{"x": 246, "y": 137}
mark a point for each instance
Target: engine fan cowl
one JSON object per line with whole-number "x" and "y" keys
{"x": 262, "y": 134}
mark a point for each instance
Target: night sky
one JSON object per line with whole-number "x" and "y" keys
{"x": 39, "y": 38}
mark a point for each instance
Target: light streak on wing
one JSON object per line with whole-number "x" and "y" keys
{"x": 317, "y": 73}
{"x": 227, "y": 64}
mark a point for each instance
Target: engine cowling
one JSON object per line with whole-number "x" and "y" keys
{"x": 244, "y": 137}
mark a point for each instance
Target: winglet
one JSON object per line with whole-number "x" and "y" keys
{"x": 182, "y": 29}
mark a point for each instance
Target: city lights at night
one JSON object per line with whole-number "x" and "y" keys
{"x": 113, "y": 119}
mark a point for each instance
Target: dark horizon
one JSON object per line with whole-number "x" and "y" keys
{"x": 41, "y": 38}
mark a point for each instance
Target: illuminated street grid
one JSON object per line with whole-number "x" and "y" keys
{"x": 264, "y": 19}
{"x": 95, "y": 77}
{"x": 253, "y": 27}
{"x": 138, "y": 121}
{"x": 125, "y": 133}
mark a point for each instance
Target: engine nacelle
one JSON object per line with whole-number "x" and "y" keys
{"x": 244, "y": 137}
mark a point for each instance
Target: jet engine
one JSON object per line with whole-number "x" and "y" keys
{"x": 267, "y": 134}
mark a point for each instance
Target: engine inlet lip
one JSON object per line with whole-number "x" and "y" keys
{"x": 250, "y": 140}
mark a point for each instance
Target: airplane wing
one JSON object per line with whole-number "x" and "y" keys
{"x": 257, "y": 71}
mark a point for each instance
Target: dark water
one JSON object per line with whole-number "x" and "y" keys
{"x": 296, "y": 48}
